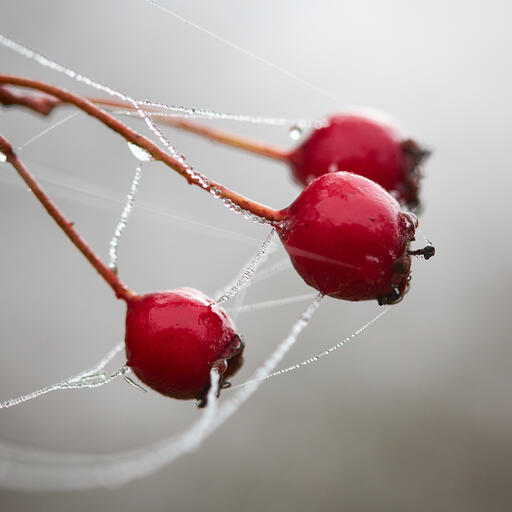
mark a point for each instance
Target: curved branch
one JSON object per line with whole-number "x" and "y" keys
{"x": 214, "y": 134}
{"x": 121, "y": 291}
{"x": 45, "y": 104}
{"x": 143, "y": 142}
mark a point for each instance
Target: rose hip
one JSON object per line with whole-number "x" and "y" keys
{"x": 364, "y": 146}
{"x": 348, "y": 238}
{"x": 173, "y": 338}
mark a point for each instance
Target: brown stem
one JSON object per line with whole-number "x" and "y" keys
{"x": 121, "y": 291}
{"x": 44, "y": 104}
{"x": 222, "y": 136}
{"x": 143, "y": 142}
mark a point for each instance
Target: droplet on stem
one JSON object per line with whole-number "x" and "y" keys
{"x": 139, "y": 153}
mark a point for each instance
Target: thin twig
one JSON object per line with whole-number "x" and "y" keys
{"x": 143, "y": 142}
{"x": 214, "y": 134}
{"x": 121, "y": 291}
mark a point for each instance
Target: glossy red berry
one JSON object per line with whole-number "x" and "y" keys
{"x": 173, "y": 338}
{"x": 365, "y": 146}
{"x": 348, "y": 238}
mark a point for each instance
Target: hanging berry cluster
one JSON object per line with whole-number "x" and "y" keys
{"x": 348, "y": 233}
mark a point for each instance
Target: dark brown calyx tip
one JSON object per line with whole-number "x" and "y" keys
{"x": 414, "y": 156}
{"x": 427, "y": 252}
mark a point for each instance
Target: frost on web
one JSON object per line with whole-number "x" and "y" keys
{"x": 121, "y": 226}
{"x": 95, "y": 376}
{"x": 248, "y": 272}
{"x": 190, "y": 171}
{"x": 25, "y": 468}
{"x": 40, "y": 59}
{"x": 91, "y": 378}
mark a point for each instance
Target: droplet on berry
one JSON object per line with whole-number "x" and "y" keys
{"x": 173, "y": 338}
{"x": 362, "y": 145}
{"x": 348, "y": 238}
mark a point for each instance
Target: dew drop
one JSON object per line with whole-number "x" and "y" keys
{"x": 3, "y": 158}
{"x": 295, "y": 132}
{"x": 139, "y": 153}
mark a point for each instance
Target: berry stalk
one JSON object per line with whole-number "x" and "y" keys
{"x": 121, "y": 291}
{"x": 214, "y": 134}
{"x": 45, "y": 104}
{"x": 133, "y": 137}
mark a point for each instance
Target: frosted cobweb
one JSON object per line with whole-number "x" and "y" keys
{"x": 22, "y": 467}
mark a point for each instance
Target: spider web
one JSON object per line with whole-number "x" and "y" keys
{"x": 27, "y": 468}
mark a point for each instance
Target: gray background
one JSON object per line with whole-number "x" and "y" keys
{"x": 415, "y": 414}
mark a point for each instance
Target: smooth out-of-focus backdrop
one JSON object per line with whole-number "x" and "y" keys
{"x": 413, "y": 415}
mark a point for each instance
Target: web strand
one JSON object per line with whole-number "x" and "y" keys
{"x": 248, "y": 272}
{"x": 87, "y": 189}
{"x": 23, "y": 468}
{"x": 123, "y": 221}
{"x": 194, "y": 175}
{"x": 325, "y": 93}
{"x": 44, "y": 61}
{"x": 47, "y": 130}
{"x": 272, "y": 303}
{"x": 90, "y": 378}
{"x": 317, "y": 357}
{"x": 202, "y": 113}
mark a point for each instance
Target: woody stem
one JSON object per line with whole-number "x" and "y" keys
{"x": 221, "y": 136}
{"x": 141, "y": 141}
{"x": 121, "y": 291}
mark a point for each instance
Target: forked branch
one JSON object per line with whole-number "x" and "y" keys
{"x": 131, "y": 136}
{"x": 45, "y": 104}
{"x": 214, "y": 134}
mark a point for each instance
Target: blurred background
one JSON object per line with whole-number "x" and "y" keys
{"x": 415, "y": 414}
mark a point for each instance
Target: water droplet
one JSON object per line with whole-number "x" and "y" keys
{"x": 139, "y": 153}
{"x": 295, "y": 132}
{"x": 333, "y": 167}
{"x": 3, "y": 158}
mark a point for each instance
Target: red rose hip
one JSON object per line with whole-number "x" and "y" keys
{"x": 364, "y": 146}
{"x": 173, "y": 338}
{"x": 348, "y": 238}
